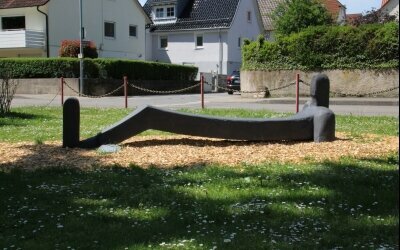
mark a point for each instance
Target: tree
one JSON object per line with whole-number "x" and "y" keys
{"x": 292, "y": 16}
{"x": 373, "y": 16}
{"x": 8, "y": 87}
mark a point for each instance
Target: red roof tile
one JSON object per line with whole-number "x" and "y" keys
{"x": 11, "y": 4}
{"x": 267, "y": 7}
{"x": 384, "y": 2}
{"x": 333, "y": 6}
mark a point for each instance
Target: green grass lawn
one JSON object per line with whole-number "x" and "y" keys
{"x": 346, "y": 204}
{"x": 45, "y": 124}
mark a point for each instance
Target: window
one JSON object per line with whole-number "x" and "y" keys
{"x": 109, "y": 29}
{"x": 163, "y": 42}
{"x": 132, "y": 30}
{"x": 164, "y": 12}
{"x": 159, "y": 12}
{"x": 13, "y": 23}
{"x": 249, "y": 16}
{"x": 199, "y": 41}
{"x": 170, "y": 12}
{"x": 239, "y": 42}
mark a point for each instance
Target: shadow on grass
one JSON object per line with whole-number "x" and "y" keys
{"x": 333, "y": 204}
{"x": 15, "y": 118}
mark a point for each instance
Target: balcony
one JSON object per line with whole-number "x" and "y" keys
{"x": 14, "y": 39}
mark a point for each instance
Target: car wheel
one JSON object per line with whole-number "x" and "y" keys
{"x": 230, "y": 92}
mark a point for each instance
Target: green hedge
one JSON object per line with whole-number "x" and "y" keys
{"x": 95, "y": 68}
{"x": 327, "y": 47}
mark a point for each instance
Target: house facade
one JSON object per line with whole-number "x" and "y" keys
{"x": 390, "y": 7}
{"x": 203, "y": 33}
{"x": 35, "y": 28}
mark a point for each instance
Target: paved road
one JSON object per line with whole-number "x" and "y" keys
{"x": 355, "y": 106}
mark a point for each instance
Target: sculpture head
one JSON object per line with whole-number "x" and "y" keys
{"x": 319, "y": 90}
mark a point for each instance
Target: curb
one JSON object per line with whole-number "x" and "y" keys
{"x": 336, "y": 102}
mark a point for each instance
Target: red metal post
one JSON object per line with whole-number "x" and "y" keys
{"x": 297, "y": 92}
{"x": 62, "y": 91}
{"x": 126, "y": 91}
{"x": 202, "y": 90}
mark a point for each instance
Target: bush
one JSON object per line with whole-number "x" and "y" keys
{"x": 71, "y": 48}
{"x": 96, "y": 68}
{"x": 328, "y": 47}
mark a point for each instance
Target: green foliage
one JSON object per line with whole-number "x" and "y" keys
{"x": 373, "y": 46}
{"x": 349, "y": 204}
{"x": 292, "y": 16}
{"x": 95, "y": 68}
{"x": 141, "y": 70}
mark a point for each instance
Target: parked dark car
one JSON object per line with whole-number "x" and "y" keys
{"x": 233, "y": 82}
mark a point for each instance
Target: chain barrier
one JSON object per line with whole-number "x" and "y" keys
{"x": 91, "y": 96}
{"x": 256, "y": 91}
{"x": 221, "y": 88}
{"x": 337, "y": 93}
{"x": 164, "y": 92}
{"x": 48, "y": 104}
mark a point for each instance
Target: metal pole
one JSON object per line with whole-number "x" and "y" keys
{"x": 202, "y": 90}
{"x": 126, "y": 91}
{"x": 297, "y": 92}
{"x": 62, "y": 91}
{"x": 80, "y": 47}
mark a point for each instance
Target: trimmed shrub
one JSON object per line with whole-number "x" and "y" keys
{"x": 328, "y": 47}
{"x": 95, "y": 68}
{"x": 47, "y": 67}
{"x": 71, "y": 48}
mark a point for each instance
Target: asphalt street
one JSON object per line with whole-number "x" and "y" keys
{"x": 355, "y": 106}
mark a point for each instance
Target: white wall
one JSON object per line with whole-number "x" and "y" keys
{"x": 18, "y": 43}
{"x": 392, "y": 8}
{"x": 64, "y": 24}
{"x": 182, "y": 49}
{"x": 33, "y": 19}
{"x": 243, "y": 29}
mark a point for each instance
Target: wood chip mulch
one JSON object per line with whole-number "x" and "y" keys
{"x": 172, "y": 151}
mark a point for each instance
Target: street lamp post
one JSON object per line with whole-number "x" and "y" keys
{"x": 81, "y": 34}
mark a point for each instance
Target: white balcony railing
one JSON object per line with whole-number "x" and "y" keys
{"x": 10, "y": 39}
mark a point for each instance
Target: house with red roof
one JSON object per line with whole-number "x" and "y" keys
{"x": 35, "y": 28}
{"x": 267, "y": 7}
{"x": 336, "y": 9}
{"x": 390, "y": 7}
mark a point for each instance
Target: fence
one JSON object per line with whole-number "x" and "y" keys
{"x": 201, "y": 84}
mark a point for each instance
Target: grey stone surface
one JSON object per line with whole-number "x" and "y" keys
{"x": 314, "y": 122}
{"x": 71, "y": 123}
{"x": 343, "y": 81}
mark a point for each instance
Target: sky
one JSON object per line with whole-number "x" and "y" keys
{"x": 353, "y": 6}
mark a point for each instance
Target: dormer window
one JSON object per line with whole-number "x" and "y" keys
{"x": 159, "y": 12}
{"x": 164, "y": 12}
{"x": 171, "y": 12}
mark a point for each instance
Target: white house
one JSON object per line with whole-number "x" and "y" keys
{"x": 206, "y": 34}
{"x": 35, "y": 28}
{"x": 390, "y": 7}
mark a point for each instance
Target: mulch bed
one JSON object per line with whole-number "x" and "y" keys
{"x": 173, "y": 151}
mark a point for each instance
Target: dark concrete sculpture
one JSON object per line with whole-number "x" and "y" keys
{"x": 315, "y": 122}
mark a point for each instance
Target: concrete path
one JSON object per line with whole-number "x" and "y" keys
{"x": 355, "y": 106}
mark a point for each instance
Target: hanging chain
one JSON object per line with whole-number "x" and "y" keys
{"x": 256, "y": 91}
{"x": 164, "y": 92}
{"x": 91, "y": 96}
{"x": 58, "y": 92}
{"x": 338, "y": 93}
